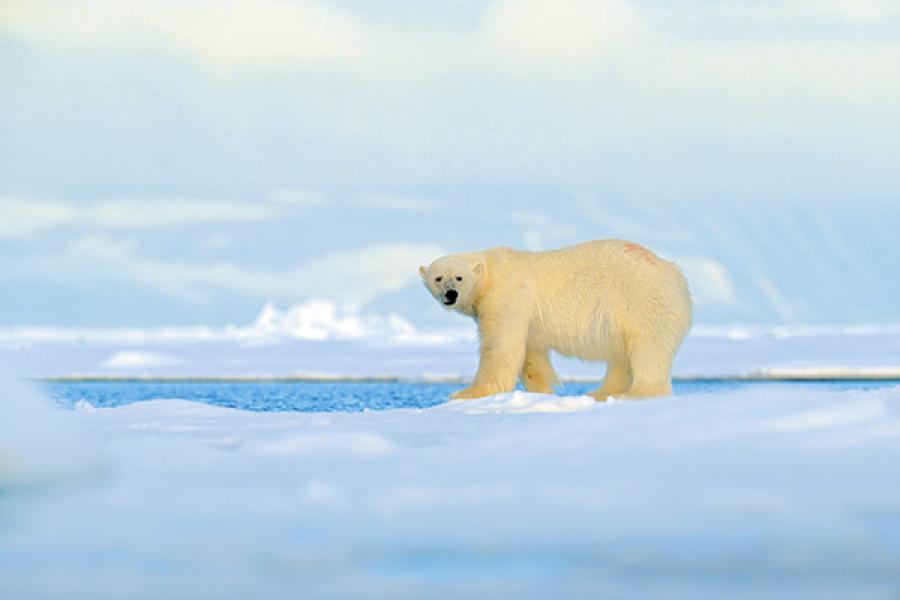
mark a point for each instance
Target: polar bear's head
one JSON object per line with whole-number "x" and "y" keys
{"x": 454, "y": 281}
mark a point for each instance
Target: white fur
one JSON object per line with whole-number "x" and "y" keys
{"x": 605, "y": 300}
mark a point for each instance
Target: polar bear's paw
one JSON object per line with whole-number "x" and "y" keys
{"x": 602, "y": 396}
{"x": 472, "y": 392}
{"x": 643, "y": 393}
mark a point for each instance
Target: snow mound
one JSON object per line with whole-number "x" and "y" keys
{"x": 39, "y": 445}
{"x": 522, "y": 402}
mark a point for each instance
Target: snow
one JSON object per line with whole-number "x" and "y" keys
{"x": 522, "y": 402}
{"x": 138, "y": 360}
{"x": 771, "y": 491}
{"x": 39, "y": 445}
{"x": 831, "y": 372}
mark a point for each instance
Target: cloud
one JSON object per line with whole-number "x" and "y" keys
{"x": 263, "y": 32}
{"x": 130, "y": 360}
{"x": 398, "y": 202}
{"x": 708, "y": 280}
{"x": 358, "y": 276}
{"x": 364, "y": 274}
{"x": 320, "y": 320}
{"x": 227, "y": 37}
{"x": 317, "y": 320}
{"x": 572, "y": 91}
{"x": 507, "y": 34}
{"x": 853, "y": 10}
{"x": 857, "y": 12}
{"x": 553, "y": 34}
{"x": 296, "y": 197}
{"x": 166, "y": 211}
{"x": 23, "y": 217}
{"x": 220, "y": 35}
{"x": 654, "y": 113}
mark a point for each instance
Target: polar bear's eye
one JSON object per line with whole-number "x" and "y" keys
{"x": 438, "y": 279}
{"x": 459, "y": 278}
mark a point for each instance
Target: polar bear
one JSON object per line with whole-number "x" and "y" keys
{"x": 603, "y": 300}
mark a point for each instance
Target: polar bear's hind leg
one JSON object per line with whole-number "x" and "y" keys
{"x": 617, "y": 380}
{"x": 651, "y": 366}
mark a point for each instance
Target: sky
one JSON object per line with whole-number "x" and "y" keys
{"x": 190, "y": 162}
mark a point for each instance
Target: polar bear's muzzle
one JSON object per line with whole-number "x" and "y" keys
{"x": 450, "y": 297}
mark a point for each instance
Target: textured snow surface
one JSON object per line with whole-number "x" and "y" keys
{"x": 751, "y": 493}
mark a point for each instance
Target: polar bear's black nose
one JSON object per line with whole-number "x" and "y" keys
{"x": 451, "y": 296}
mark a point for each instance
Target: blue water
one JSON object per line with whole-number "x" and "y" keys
{"x": 339, "y": 396}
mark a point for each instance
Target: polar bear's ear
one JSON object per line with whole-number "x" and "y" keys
{"x": 478, "y": 269}
{"x": 422, "y": 272}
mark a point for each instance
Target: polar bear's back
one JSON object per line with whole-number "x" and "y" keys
{"x": 592, "y": 296}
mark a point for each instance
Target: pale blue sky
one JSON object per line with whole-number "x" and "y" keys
{"x": 186, "y": 162}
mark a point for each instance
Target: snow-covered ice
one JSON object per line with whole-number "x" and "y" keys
{"x": 38, "y": 445}
{"x": 522, "y": 402}
{"x": 327, "y": 340}
{"x": 767, "y": 491}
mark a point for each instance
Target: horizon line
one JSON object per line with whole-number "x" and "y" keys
{"x": 860, "y": 375}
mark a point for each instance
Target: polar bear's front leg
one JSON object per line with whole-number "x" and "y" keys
{"x": 502, "y": 356}
{"x": 537, "y": 373}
